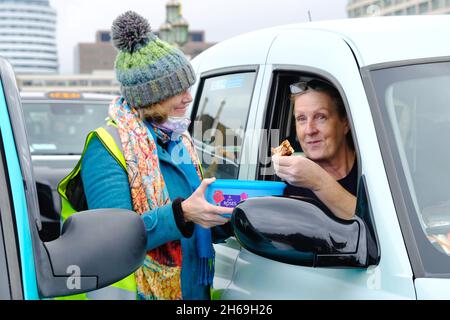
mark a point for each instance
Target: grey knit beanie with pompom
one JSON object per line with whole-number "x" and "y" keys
{"x": 148, "y": 69}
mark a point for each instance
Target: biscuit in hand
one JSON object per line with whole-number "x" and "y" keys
{"x": 284, "y": 149}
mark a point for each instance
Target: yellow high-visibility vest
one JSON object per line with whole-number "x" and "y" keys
{"x": 73, "y": 200}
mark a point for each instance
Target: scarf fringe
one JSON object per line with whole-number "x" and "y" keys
{"x": 206, "y": 274}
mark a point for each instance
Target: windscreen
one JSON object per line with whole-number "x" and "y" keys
{"x": 62, "y": 128}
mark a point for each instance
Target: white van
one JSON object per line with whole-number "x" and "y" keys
{"x": 393, "y": 74}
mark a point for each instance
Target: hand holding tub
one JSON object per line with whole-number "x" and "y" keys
{"x": 196, "y": 209}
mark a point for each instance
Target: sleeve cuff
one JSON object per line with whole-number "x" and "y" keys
{"x": 186, "y": 228}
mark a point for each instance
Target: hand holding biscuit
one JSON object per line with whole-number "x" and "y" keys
{"x": 296, "y": 170}
{"x": 283, "y": 150}
{"x": 299, "y": 171}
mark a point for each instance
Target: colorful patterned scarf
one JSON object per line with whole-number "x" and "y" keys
{"x": 160, "y": 276}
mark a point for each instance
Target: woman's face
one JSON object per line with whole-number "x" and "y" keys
{"x": 320, "y": 130}
{"x": 178, "y": 104}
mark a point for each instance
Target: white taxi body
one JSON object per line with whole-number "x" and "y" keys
{"x": 393, "y": 74}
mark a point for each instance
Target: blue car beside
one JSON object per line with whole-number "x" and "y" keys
{"x": 31, "y": 268}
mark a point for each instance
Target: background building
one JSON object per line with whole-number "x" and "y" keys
{"x": 94, "y": 62}
{"x": 96, "y": 82}
{"x": 28, "y": 36}
{"x": 99, "y": 55}
{"x": 175, "y": 30}
{"x": 364, "y": 8}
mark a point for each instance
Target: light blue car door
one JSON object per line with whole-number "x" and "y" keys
{"x": 24, "y": 286}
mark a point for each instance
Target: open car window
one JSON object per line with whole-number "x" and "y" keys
{"x": 280, "y": 121}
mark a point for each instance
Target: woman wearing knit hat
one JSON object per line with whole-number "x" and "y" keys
{"x": 162, "y": 181}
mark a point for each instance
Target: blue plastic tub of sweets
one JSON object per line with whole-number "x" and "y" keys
{"x": 228, "y": 193}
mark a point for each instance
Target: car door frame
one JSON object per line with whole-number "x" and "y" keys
{"x": 227, "y": 251}
{"x": 23, "y": 187}
{"x": 10, "y": 276}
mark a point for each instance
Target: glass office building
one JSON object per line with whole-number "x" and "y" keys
{"x": 28, "y": 36}
{"x": 366, "y": 8}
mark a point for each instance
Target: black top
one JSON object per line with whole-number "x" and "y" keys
{"x": 349, "y": 183}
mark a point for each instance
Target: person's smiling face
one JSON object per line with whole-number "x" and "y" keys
{"x": 178, "y": 104}
{"x": 320, "y": 130}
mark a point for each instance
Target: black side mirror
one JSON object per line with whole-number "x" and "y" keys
{"x": 297, "y": 232}
{"x": 96, "y": 248}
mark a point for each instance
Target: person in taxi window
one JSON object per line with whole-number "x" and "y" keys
{"x": 163, "y": 179}
{"x": 328, "y": 172}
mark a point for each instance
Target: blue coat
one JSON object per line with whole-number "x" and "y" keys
{"x": 106, "y": 186}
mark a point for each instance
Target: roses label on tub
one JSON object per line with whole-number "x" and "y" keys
{"x": 228, "y": 200}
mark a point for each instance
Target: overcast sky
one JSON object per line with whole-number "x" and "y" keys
{"x": 78, "y": 20}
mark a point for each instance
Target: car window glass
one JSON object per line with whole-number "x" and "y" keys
{"x": 61, "y": 128}
{"x": 416, "y": 103}
{"x": 220, "y": 123}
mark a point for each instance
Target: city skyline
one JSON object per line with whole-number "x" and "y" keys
{"x": 78, "y": 21}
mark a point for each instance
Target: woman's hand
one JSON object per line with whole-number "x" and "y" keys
{"x": 302, "y": 172}
{"x": 199, "y": 211}
{"x": 299, "y": 171}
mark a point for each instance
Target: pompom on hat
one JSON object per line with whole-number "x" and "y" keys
{"x": 148, "y": 69}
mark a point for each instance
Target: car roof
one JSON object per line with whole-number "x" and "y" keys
{"x": 386, "y": 39}
{"x": 84, "y": 96}
{"x": 373, "y": 40}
